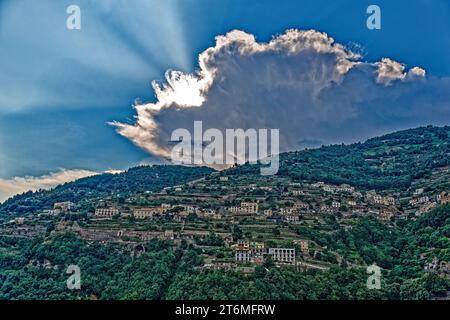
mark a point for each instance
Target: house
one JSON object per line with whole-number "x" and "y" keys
{"x": 168, "y": 234}
{"x": 351, "y": 203}
{"x": 445, "y": 197}
{"x": 268, "y": 212}
{"x": 64, "y": 206}
{"x": 386, "y": 214}
{"x": 317, "y": 184}
{"x": 19, "y": 221}
{"x": 223, "y": 179}
{"x": 345, "y": 188}
{"x": 388, "y": 201}
{"x": 304, "y": 246}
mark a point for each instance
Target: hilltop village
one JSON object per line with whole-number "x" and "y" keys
{"x": 237, "y": 222}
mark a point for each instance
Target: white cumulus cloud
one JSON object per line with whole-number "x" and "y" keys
{"x": 301, "y": 82}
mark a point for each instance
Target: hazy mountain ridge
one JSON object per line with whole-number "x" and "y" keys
{"x": 137, "y": 179}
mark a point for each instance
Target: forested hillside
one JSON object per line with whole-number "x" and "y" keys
{"x": 35, "y": 268}
{"x": 392, "y": 161}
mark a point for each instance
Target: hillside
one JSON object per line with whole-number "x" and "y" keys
{"x": 239, "y": 235}
{"x": 134, "y": 180}
{"x": 392, "y": 161}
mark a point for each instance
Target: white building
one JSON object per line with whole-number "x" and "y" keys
{"x": 283, "y": 255}
{"x": 345, "y": 188}
{"x": 291, "y": 218}
{"x": 298, "y": 192}
{"x": 336, "y": 204}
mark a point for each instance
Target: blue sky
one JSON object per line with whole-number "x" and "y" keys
{"x": 59, "y": 88}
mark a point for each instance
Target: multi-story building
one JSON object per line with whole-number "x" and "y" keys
{"x": 420, "y": 200}
{"x": 249, "y": 207}
{"x": 249, "y": 252}
{"x": 283, "y": 255}
{"x": 192, "y": 209}
{"x": 106, "y": 212}
{"x": 304, "y": 246}
{"x": 143, "y": 213}
{"x": 427, "y": 207}
{"x": 388, "y": 201}
{"x": 351, "y": 203}
{"x": 245, "y": 208}
{"x": 298, "y": 192}
{"x": 299, "y": 205}
{"x": 291, "y": 218}
{"x": 325, "y": 209}
{"x": 375, "y": 198}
